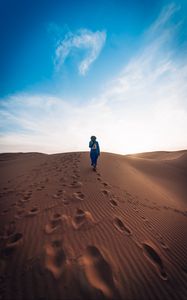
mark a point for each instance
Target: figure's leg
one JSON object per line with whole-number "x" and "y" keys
{"x": 92, "y": 158}
{"x": 95, "y": 161}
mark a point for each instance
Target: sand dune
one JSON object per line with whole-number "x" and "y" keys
{"x": 70, "y": 233}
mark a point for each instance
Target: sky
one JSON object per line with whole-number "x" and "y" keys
{"x": 71, "y": 69}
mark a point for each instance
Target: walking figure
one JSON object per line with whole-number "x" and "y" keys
{"x": 94, "y": 151}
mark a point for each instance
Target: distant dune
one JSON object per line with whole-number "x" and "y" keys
{"x": 68, "y": 232}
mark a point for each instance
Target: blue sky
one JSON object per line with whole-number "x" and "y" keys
{"x": 115, "y": 69}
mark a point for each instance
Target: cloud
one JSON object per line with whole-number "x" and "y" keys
{"x": 164, "y": 18}
{"x": 143, "y": 108}
{"x": 83, "y": 39}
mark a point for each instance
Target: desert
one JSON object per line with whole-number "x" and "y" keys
{"x": 70, "y": 233}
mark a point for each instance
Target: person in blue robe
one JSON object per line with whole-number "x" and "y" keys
{"x": 94, "y": 151}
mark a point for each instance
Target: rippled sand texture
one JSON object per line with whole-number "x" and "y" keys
{"x": 67, "y": 232}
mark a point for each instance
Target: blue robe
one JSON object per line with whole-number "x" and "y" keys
{"x": 94, "y": 152}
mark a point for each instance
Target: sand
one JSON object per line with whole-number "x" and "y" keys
{"x": 68, "y": 232}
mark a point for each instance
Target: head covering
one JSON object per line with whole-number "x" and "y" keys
{"x": 93, "y": 137}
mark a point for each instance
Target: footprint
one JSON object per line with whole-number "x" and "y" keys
{"x": 39, "y": 189}
{"x": 59, "y": 193}
{"x": 5, "y": 211}
{"x": 26, "y": 197}
{"x": 82, "y": 219}
{"x": 105, "y": 192}
{"x": 155, "y": 259}
{"x": 121, "y": 226}
{"x": 57, "y": 216}
{"x": 184, "y": 213}
{"x": 15, "y": 239}
{"x": 81, "y": 195}
{"x": 34, "y": 211}
{"x": 166, "y": 207}
{"x": 56, "y": 260}
{"x": 78, "y": 196}
{"x": 76, "y": 184}
{"x": 13, "y": 242}
{"x": 98, "y": 271}
{"x": 113, "y": 203}
{"x": 23, "y": 201}
{"x": 53, "y": 225}
{"x": 56, "y": 196}
{"x": 162, "y": 243}
{"x": 65, "y": 202}
{"x": 79, "y": 217}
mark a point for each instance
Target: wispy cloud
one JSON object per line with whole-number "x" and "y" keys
{"x": 144, "y": 108}
{"x": 164, "y": 18}
{"x": 83, "y": 39}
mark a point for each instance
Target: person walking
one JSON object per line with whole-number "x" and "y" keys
{"x": 94, "y": 151}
